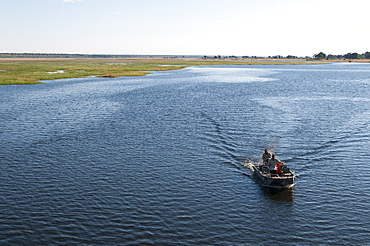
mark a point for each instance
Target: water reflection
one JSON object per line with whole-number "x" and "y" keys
{"x": 285, "y": 195}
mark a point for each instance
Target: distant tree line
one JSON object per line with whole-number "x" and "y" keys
{"x": 83, "y": 56}
{"x": 323, "y": 56}
{"x": 48, "y": 55}
{"x": 251, "y": 57}
{"x": 319, "y": 56}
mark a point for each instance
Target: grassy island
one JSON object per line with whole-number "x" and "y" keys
{"x": 33, "y": 71}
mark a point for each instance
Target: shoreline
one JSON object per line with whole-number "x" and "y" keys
{"x": 36, "y": 70}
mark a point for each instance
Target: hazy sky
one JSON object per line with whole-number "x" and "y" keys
{"x": 186, "y": 27}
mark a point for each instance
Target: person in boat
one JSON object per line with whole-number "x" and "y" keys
{"x": 279, "y": 168}
{"x": 265, "y": 156}
{"x": 272, "y": 162}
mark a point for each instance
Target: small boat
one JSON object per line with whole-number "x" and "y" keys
{"x": 282, "y": 178}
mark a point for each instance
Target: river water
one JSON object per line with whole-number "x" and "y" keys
{"x": 160, "y": 159}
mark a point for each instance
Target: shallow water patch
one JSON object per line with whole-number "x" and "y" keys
{"x": 59, "y": 71}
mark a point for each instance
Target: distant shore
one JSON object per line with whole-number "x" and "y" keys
{"x": 36, "y": 70}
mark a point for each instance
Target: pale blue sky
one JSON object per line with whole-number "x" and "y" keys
{"x": 185, "y": 27}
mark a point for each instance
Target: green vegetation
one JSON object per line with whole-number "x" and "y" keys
{"x": 32, "y": 71}
{"x": 350, "y": 56}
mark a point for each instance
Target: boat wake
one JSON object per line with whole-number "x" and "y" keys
{"x": 248, "y": 163}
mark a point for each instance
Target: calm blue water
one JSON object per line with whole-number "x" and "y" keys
{"x": 159, "y": 160}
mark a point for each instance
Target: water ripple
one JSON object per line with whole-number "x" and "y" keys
{"x": 163, "y": 159}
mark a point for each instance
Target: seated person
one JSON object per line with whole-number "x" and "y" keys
{"x": 279, "y": 168}
{"x": 272, "y": 162}
{"x": 265, "y": 156}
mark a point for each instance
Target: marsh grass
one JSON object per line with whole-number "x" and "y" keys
{"x": 33, "y": 71}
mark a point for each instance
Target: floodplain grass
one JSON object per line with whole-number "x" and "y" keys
{"x": 34, "y": 71}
